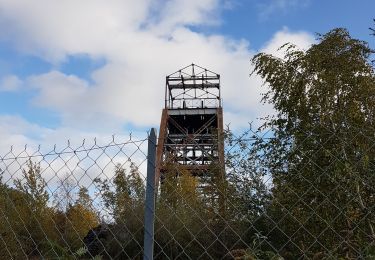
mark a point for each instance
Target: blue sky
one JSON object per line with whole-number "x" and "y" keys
{"x": 76, "y": 69}
{"x": 258, "y": 20}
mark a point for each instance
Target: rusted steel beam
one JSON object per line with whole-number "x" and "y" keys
{"x": 160, "y": 146}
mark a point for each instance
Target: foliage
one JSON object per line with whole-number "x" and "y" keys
{"x": 179, "y": 220}
{"x": 29, "y": 227}
{"x": 320, "y": 157}
{"x": 80, "y": 218}
{"x": 33, "y": 185}
{"x": 10, "y": 244}
{"x": 64, "y": 194}
{"x": 208, "y": 215}
{"x": 127, "y": 195}
{"x": 30, "y": 211}
{"x": 125, "y": 202}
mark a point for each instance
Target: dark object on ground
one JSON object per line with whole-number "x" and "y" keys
{"x": 95, "y": 241}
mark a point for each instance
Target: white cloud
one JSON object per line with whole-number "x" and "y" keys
{"x": 10, "y": 83}
{"x": 58, "y": 90}
{"x": 85, "y": 156}
{"x": 178, "y": 13}
{"x": 302, "y": 40}
{"x": 141, "y": 41}
{"x": 53, "y": 29}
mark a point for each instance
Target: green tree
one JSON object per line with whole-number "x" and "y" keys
{"x": 124, "y": 194}
{"x": 64, "y": 195}
{"x": 84, "y": 199}
{"x": 11, "y": 246}
{"x": 211, "y": 214}
{"x": 180, "y": 221}
{"x": 123, "y": 197}
{"x": 80, "y": 218}
{"x": 33, "y": 212}
{"x": 321, "y": 157}
{"x": 27, "y": 212}
{"x": 248, "y": 194}
{"x": 34, "y": 186}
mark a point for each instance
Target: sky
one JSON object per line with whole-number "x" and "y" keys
{"x": 78, "y": 69}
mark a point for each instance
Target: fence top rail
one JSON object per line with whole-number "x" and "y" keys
{"x": 14, "y": 153}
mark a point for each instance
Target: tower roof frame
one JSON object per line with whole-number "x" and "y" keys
{"x": 192, "y": 87}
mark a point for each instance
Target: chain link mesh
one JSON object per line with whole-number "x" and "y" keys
{"x": 67, "y": 203}
{"x": 311, "y": 201}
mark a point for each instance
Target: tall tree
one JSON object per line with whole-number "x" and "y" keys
{"x": 123, "y": 197}
{"x": 180, "y": 223}
{"x": 321, "y": 157}
{"x": 80, "y": 218}
{"x": 84, "y": 198}
{"x": 10, "y": 245}
{"x": 34, "y": 219}
{"x": 212, "y": 214}
{"x": 64, "y": 195}
{"x": 33, "y": 185}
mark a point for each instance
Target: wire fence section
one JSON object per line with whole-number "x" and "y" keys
{"x": 306, "y": 197}
{"x": 66, "y": 203}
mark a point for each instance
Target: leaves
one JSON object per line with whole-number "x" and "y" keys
{"x": 320, "y": 159}
{"x": 34, "y": 185}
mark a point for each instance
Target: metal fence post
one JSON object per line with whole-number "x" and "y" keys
{"x": 150, "y": 198}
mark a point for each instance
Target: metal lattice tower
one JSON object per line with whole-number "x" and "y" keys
{"x": 191, "y": 126}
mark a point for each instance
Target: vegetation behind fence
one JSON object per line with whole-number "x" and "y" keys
{"x": 79, "y": 209}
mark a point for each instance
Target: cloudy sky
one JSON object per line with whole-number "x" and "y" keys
{"x": 75, "y": 69}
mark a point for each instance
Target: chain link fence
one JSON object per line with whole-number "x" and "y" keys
{"x": 71, "y": 202}
{"x": 311, "y": 199}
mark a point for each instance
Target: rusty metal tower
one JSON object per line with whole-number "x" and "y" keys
{"x": 191, "y": 126}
